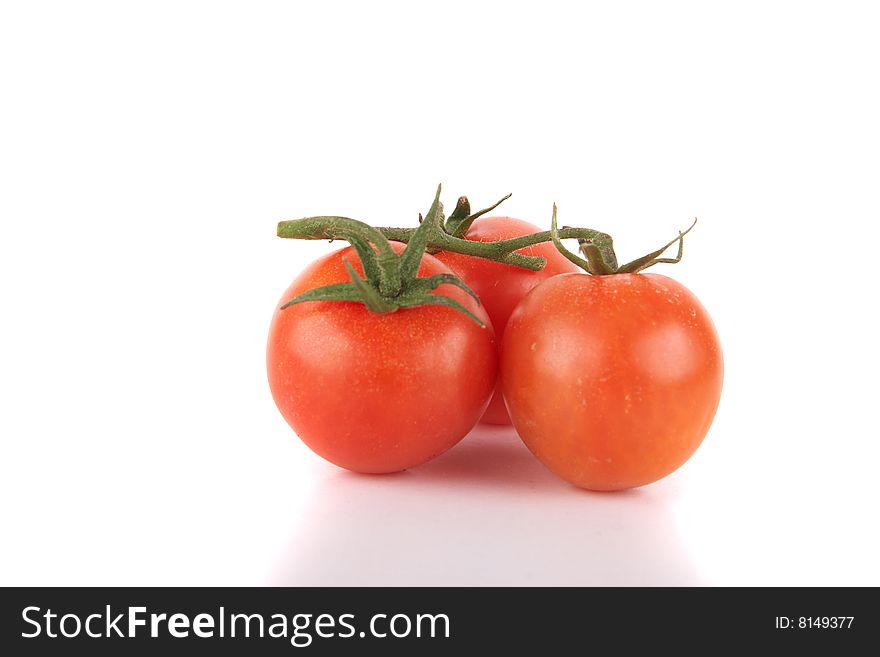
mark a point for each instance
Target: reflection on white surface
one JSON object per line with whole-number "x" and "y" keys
{"x": 484, "y": 513}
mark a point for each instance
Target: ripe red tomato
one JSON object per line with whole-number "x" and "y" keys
{"x": 611, "y": 381}
{"x": 499, "y": 286}
{"x": 379, "y": 393}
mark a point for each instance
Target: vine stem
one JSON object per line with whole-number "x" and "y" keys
{"x": 436, "y": 233}
{"x": 504, "y": 251}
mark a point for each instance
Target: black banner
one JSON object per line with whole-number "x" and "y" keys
{"x": 99, "y": 621}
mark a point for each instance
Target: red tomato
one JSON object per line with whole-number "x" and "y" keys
{"x": 379, "y": 393}
{"x": 611, "y": 381}
{"x": 499, "y": 286}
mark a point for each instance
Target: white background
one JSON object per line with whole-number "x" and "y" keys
{"x": 147, "y": 151}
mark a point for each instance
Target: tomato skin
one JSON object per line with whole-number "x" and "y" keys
{"x": 378, "y": 393}
{"x": 501, "y": 287}
{"x": 611, "y": 381}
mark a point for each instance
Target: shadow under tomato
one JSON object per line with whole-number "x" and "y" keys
{"x": 486, "y": 513}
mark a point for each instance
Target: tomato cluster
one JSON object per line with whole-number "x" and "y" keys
{"x": 612, "y": 381}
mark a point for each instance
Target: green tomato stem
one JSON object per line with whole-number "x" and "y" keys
{"x": 438, "y": 234}
{"x": 504, "y": 251}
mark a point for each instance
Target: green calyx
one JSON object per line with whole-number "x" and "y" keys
{"x": 390, "y": 280}
{"x": 599, "y": 258}
{"x": 461, "y": 218}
